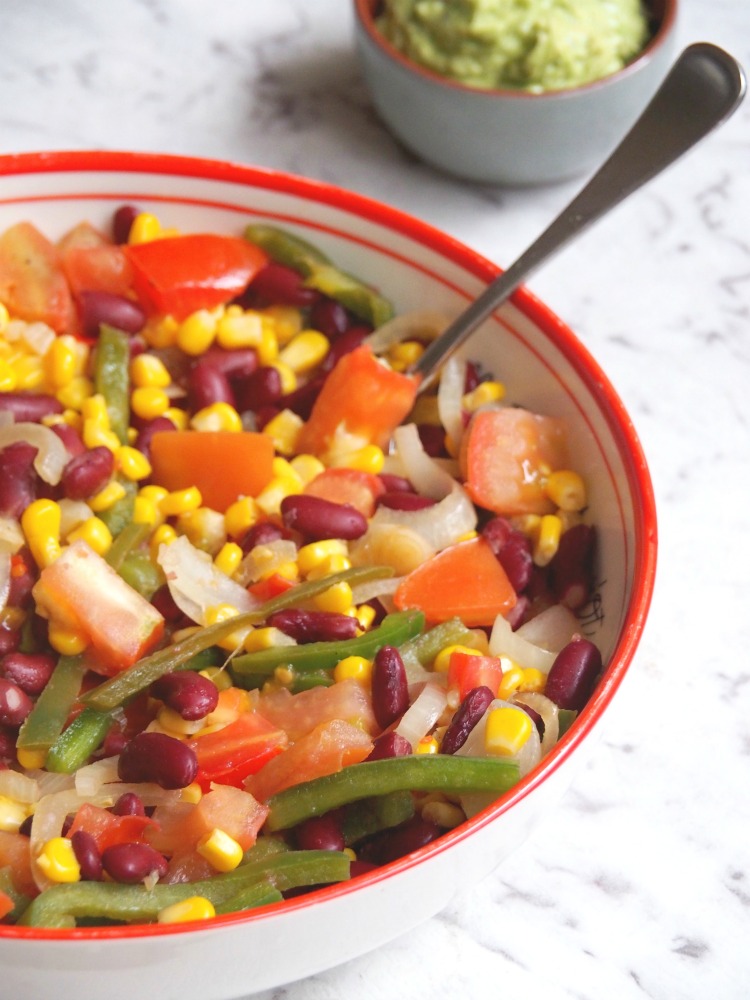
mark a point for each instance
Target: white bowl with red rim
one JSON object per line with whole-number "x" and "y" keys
{"x": 545, "y": 368}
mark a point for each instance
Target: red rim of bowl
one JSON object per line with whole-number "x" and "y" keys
{"x": 599, "y": 385}
{"x": 364, "y": 13}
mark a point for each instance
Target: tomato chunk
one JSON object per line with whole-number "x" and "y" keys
{"x": 359, "y": 489}
{"x": 467, "y": 671}
{"x": 231, "y": 754}
{"x": 33, "y": 286}
{"x": 107, "y": 829}
{"x": 92, "y": 263}
{"x": 180, "y": 274}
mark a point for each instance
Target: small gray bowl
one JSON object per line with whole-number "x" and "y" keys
{"x": 506, "y": 136}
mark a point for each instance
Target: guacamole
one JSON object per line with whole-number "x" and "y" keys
{"x": 532, "y": 45}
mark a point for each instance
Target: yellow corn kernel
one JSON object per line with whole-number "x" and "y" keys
{"x": 266, "y": 638}
{"x": 270, "y": 497}
{"x": 240, "y": 516}
{"x": 32, "y": 760}
{"x": 61, "y": 361}
{"x": 41, "y": 526}
{"x": 217, "y": 417}
{"x": 288, "y": 378}
{"x": 221, "y": 850}
{"x": 511, "y": 680}
{"x": 289, "y": 570}
{"x": 222, "y": 613}
{"x": 153, "y": 493}
{"x": 337, "y": 598}
{"x": 8, "y": 377}
{"x": 368, "y": 459}
{"x": 132, "y": 463}
{"x": 204, "y": 528}
{"x": 12, "y": 814}
{"x": 444, "y": 814}
{"x": 148, "y": 371}
{"x": 442, "y": 661}
{"x": 95, "y": 532}
{"x": 228, "y": 558}
{"x": 333, "y": 564}
{"x": 217, "y": 676}
{"x": 404, "y": 354}
{"x": 532, "y": 680}
{"x": 76, "y": 392}
{"x": 428, "y": 744}
{"x": 506, "y": 731}
{"x": 161, "y": 333}
{"x": 29, "y": 371}
{"x": 365, "y": 615}
{"x": 527, "y": 524}
{"x": 107, "y": 497}
{"x": 548, "y": 540}
{"x": 178, "y": 417}
{"x": 66, "y": 641}
{"x": 197, "y": 332}
{"x": 285, "y": 320}
{"x": 94, "y": 436}
{"x": 174, "y": 725}
{"x": 315, "y": 554}
{"x": 356, "y": 668}
{"x": 284, "y": 430}
{"x": 566, "y": 489}
{"x": 145, "y": 511}
{"x": 239, "y": 329}
{"x": 149, "y": 402}
{"x": 181, "y": 501}
{"x": 307, "y": 467}
{"x": 58, "y": 861}
{"x": 484, "y": 393}
{"x": 191, "y": 793}
{"x": 145, "y": 227}
{"x": 164, "y": 535}
{"x": 192, "y": 908}
{"x": 305, "y": 351}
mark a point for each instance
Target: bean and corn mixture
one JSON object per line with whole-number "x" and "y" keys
{"x": 268, "y": 618}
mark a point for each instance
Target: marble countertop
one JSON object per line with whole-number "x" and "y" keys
{"x": 638, "y": 884}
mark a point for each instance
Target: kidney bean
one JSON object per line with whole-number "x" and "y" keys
{"x": 29, "y": 407}
{"x": 395, "y": 484}
{"x": 122, "y": 222}
{"x": 571, "y": 571}
{"x": 96, "y": 308}
{"x": 164, "y": 603}
{"x": 572, "y": 676}
{"x": 30, "y": 671}
{"x": 395, "y": 843}
{"x": 433, "y": 440}
{"x": 472, "y": 377}
{"x": 535, "y": 718}
{"x": 400, "y": 500}
{"x": 207, "y": 385}
{"x": 320, "y": 833}
{"x": 128, "y": 804}
{"x": 18, "y": 478}
{"x": 278, "y": 284}
{"x": 156, "y": 426}
{"x": 519, "y": 613}
{"x": 330, "y": 317}
{"x": 160, "y": 758}
{"x": 313, "y": 626}
{"x": 261, "y": 534}
{"x": 316, "y": 518}
{"x": 390, "y": 744}
{"x": 7, "y": 744}
{"x": 25, "y": 827}
{"x": 10, "y": 640}
{"x": 187, "y": 693}
{"x": 87, "y": 855}
{"x": 237, "y": 364}
{"x": 466, "y": 716}
{"x": 70, "y": 438}
{"x": 301, "y": 400}
{"x": 360, "y": 867}
{"x": 15, "y": 704}
{"x": 86, "y": 474}
{"x": 262, "y": 388}
{"x": 132, "y": 863}
{"x": 22, "y": 580}
{"x": 512, "y": 549}
{"x": 114, "y": 742}
{"x": 390, "y": 689}
{"x": 345, "y": 344}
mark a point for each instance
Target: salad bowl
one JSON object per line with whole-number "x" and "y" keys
{"x": 545, "y": 368}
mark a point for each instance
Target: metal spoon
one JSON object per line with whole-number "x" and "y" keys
{"x": 702, "y": 89}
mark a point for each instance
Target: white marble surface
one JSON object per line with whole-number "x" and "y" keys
{"x": 639, "y": 884}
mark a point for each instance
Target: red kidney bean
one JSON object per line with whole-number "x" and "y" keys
{"x": 114, "y": 742}
{"x": 401, "y": 840}
{"x": 320, "y": 833}
{"x": 70, "y": 438}
{"x": 313, "y": 626}
{"x": 512, "y": 549}
{"x": 187, "y": 693}
{"x": 7, "y": 744}
{"x": 466, "y": 716}
{"x": 122, "y": 222}
{"x": 316, "y": 518}
{"x": 519, "y": 613}
{"x": 404, "y": 501}
{"x": 164, "y": 603}
{"x": 345, "y": 344}
{"x": 207, "y": 385}
{"x": 535, "y": 718}
{"x": 29, "y": 407}
{"x": 360, "y": 867}
{"x": 30, "y": 671}
{"x": 22, "y": 579}
{"x": 262, "y": 533}
{"x": 390, "y": 689}
{"x": 433, "y": 440}
{"x": 132, "y": 863}
{"x": 87, "y": 855}
{"x": 472, "y": 377}
{"x": 15, "y": 704}
{"x": 301, "y": 400}
{"x": 395, "y": 484}
{"x": 156, "y": 426}
{"x": 18, "y": 478}
{"x": 390, "y": 744}
{"x": 97, "y": 308}
{"x": 160, "y": 758}
{"x": 572, "y": 676}
{"x": 237, "y": 364}
{"x": 571, "y": 571}
{"x": 330, "y": 317}
{"x": 128, "y": 804}
{"x": 278, "y": 284}
{"x": 262, "y": 388}
{"x": 10, "y": 640}
{"x": 86, "y": 474}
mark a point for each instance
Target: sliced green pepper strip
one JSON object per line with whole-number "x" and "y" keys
{"x": 47, "y": 718}
{"x": 20, "y": 902}
{"x": 283, "y": 247}
{"x": 178, "y": 656}
{"x": 112, "y": 377}
{"x": 126, "y": 542}
{"x": 60, "y": 905}
{"x": 120, "y": 514}
{"x": 363, "y": 819}
{"x": 379, "y": 777}
{"x": 74, "y": 745}
{"x": 248, "y": 899}
{"x": 139, "y": 572}
{"x": 359, "y": 298}
{"x": 314, "y": 656}
{"x": 422, "y": 649}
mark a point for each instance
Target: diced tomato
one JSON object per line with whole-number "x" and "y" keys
{"x": 465, "y": 581}
{"x": 224, "y": 465}
{"x": 107, "y": 829}
{"x": 298, "y": 714}
{"x": 359, "y": 489}
{"x": 505, "y": 456}
{"x": 230, "y": 754}
{"x": 92, "y": 263}
{"x": 324, "y": 750}
{"x": 272, "y": 586}
{"x": 6, "y": 905}
{"x": 32, "y": 284}
{"x": 79, "y": 590}
{"x": 467, "y": 671}
{"x": 179, "y": 274}
{"x": 15, "y": 855}
{"x": 181, "y": 826}
{"x": 362, "y": 398}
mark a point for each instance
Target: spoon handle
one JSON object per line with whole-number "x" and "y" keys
{"x": 702, "y": 89}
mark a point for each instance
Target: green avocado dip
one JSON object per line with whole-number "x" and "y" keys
{"x": 531, "y": 45}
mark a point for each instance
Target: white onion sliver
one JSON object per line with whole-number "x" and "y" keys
{"x": 196, "y": 584}
{"x": 265, "y": 559}
{"x": 450, "y": 395}
{"x": 440, "y": 525}
{"x": 51, "y": 456}
{"x": 423, "y": 713}
{"x": 72, "y": 514}
{"x": 419, "y": 323}
{"x": 505, "y": 642}
{"x": 427, "y": 477}
{"x": 549, "y": 713}
{"x": 89, "y": 779}
{"x": 551, "y": 629}
{"x": 370, "y": 589}
{"x": 19, "y": 787}
{"x": 11, "y": 537}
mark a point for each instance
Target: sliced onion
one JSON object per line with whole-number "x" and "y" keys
{"x": 51, "y": 456}
{"x": 549, "y": 712}
{"x": 11, "y": 536}
{"x": 422, "y": 715}
{"x": 38, "y": 337}
{"x": 196, "y": 584}
{"x": 20, "y": 787}
{"x": 505, "y": 642}
{"x": 372, "y": 589}
{"x": 72, "y": 514}
{"x": 551, "y": 629}
{"x": 4, "y": 578}
{"x": 450, "y": 395}
{"x": 425, "y": 474}
{"x": 420, "y": 324}
{"x": 89, "y": 779}
{"x": 390, "y": 544}
{"x": 265, "y": 559}
{"x": 440, "y": 525}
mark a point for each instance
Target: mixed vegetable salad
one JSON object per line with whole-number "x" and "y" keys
{"x": 268, "y": 617}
